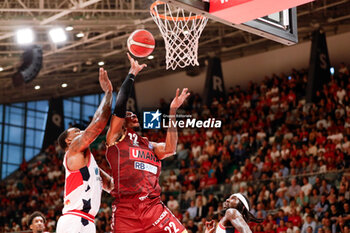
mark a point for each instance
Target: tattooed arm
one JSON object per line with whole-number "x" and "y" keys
{"x": 99, "y": 120}
{"x": 236, "y": 219}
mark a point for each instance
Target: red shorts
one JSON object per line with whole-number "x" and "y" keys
{"x": 150, "y": 215}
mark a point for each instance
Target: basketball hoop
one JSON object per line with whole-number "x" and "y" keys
{"x": 181, "y": 31}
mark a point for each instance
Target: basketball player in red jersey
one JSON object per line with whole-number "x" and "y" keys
{"x": 83, "y": 188}
{"x": 136, "y": 166}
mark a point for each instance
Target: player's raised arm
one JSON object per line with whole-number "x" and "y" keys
{"x": 169, "y": 148}
{"x": 119, "y": 112}
{"x": 100, "y": 118}
{"x": 236, "y": 219}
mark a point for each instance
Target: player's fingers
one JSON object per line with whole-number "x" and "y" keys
{"x": 184, "y": 91}
{"x": 130, "y": 58}
{"x": 177, "y": 92}
{"x": 143, "y": 66}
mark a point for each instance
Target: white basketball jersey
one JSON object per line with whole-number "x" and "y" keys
{"x": 83, "y": 188}
{"x": 221, "y": 229}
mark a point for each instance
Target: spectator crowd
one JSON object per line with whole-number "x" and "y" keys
{"x": 289, "y": 157}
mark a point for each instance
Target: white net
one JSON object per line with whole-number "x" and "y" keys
{"x": 181, "y": 31}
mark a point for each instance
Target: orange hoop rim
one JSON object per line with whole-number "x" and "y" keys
{"x": 156, "y": 3}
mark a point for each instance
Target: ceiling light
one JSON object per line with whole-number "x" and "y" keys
{"x": 1, "y": 69}
{"x": 150, "y": 57}
{"x": 37, "y": 87}
{"x": 101, "y": 63}
{"x": 69, "y": 28}
{"x": 80, "y": 34}
{"x": 64, "y": 85}
{"x": 25, "y": 36}
{"x": 57, "y": 35}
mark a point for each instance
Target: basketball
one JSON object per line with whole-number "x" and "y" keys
{"x": 141, "y": 43}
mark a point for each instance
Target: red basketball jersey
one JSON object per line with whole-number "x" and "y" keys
{"x": 135, "y": 168}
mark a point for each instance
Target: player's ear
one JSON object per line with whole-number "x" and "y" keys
{"x": 31, "y": 226}
{"x": 68, "y": 141}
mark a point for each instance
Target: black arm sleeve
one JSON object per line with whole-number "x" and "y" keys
{"x": 123, "y": 96}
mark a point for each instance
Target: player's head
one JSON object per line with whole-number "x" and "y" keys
{"x": 65, "y": 139}
{"x": 36, "y": 222}
{"x": 241, "y": 203}
{"x": 237, "y": 200}
{"x": 131, "y": 120}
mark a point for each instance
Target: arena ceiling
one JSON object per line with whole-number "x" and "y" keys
{"x": 106, "y": 25}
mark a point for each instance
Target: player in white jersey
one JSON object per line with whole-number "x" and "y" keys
{"x": 237, "y": 216}
{"x": 83, "y": 186}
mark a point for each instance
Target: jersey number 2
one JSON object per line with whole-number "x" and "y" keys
{"x": 171, "y": 224}
{"x": 133, "y": 137}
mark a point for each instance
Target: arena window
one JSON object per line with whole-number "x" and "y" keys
{"x": 22, "y": 127}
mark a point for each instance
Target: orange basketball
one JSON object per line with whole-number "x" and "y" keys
{"x": 141, "y": 43}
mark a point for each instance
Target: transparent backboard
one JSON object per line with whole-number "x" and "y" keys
{"x": 280, "y": 26}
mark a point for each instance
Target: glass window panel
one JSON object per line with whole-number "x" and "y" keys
{"x": 31, "y": 105}
{"x": 88, "y": 111}
{"x": 14, "y": 154}
{"x": 21, "y": 105}
{"x": 89, "y": 99}
{"x": 5, "y": 152}
{"x": 114, "y": 98}
{"x": 13, "y": 134}
{"x": 67, "y": 108}
{"x": 1, "y": 111}
{"x": 40, "y": 120}
{"x": 36, "y": 151}
{"x": 10, "y": 168}
{"x": 39, "y": 136}
{"x": 30, "y": 119}
{"x": 67, "y": 121}
{"x": 14, "y": 115}
{"x": 97, "y": 100}
{"x": 31, "y": 113}
{"x": 76, "y": 99}
{"x": 29, "y": 153}
{"x": 30, "y": 137}
{"x": 0, "y": 135}
{"x": 76, "y": 110}
{"x": 42, "y": 105}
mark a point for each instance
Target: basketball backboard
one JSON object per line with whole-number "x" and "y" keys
{"x": 272, "y": 19}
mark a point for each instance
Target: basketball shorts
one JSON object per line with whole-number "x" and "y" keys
{"x": 147, "y": 216}
{"x": 75, "y": 224}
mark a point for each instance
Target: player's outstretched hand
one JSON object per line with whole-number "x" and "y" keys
{"x": 135, "y": 66}
{"x": 105, "y": 83}
{"x": 210, "y": 226}
{"x": 178, "y": 100}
